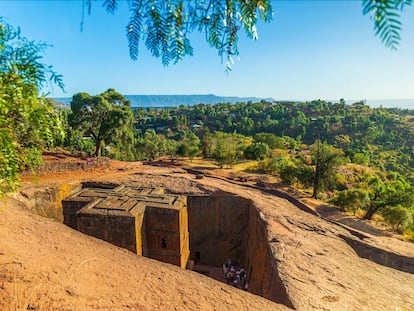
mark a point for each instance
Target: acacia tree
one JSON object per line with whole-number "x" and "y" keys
{"x": 27, "y": 123}
{"x": 104, "y": 118}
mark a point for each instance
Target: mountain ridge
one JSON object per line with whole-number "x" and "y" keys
{"x": 194, "y": 99}
{"x": 177, "y": 100}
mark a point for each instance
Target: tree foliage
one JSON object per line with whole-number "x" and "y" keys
{"x": 326, "y": 158}
{"x": 257, "y": 151}
{"x": 386, "y": 16}
{"x": 164, "y": 27}
{"x": 151, "y": 146}
{"x": 21, "y": 57}
{"x": 106, "y": 118}
{"x": 189, "y": 145}
{"x": 271, "y": 140}
{"x": 27, "y": 124}
{"x": 225, "y": 148}
{"x": 295, "y": 172}
{"x": 366, "y": 152}
{"x": 398, "y": 217}
{"x": 351, "y": 200}
{"x": 377, "y": 137}
{"x": 385, "y": 194}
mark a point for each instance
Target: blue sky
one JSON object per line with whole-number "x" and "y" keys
{"x": 311, "y": 49}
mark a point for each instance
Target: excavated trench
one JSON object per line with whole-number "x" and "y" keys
{"x": 220, "y": 226}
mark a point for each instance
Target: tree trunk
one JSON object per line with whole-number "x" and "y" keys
{"x": 316, "y": 182}
{"x": 97, "y": 152}
{"x": 370, "y": 213}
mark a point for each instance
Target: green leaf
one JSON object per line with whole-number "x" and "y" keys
{"x": 387, "y": 24}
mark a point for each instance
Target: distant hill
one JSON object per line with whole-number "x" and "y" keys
{"x": 177, "y": 100}
{"x": 188, "y": 100}
{"x": 391, "y": 103}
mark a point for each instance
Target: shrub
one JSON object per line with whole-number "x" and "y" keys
{"x": 409, "y": 234}
{"x": 398, "y": 217}
{"x": 351, "y": 200}
{"x": 360, "y": 158}
{"x": 257, "y": 151}
{"x": 270, "y": 165}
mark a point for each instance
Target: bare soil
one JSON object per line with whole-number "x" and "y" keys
{"x": 45, "y": 265}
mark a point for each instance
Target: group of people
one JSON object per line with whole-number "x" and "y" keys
{"x": 235, "y": 277}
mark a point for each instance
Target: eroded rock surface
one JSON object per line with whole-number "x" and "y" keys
{"x": 316, "y": 267}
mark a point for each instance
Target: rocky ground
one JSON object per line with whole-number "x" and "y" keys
{"x": 45, "y": 265}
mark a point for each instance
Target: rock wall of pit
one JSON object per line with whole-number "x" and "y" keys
{"x": 217, "y": 226}
{"x": 261, "y": 263}
{"x": 46, "y": 200}
{"x": 228, "y": 226}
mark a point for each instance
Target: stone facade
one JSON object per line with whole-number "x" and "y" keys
{"x": 143, "y": 220}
